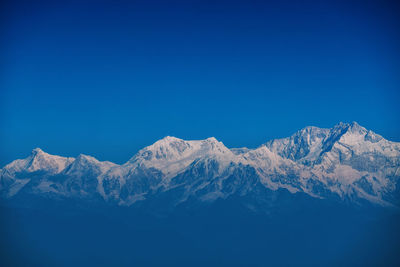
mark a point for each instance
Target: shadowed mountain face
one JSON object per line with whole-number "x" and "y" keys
{"x": 346, "y": 163}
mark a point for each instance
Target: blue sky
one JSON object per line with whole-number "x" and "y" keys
{"x": 107, "y": 79}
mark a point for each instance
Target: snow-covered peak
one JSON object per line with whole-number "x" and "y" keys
{"x": 171, "y": 155}
{"x": 84, "y": 163}
{"x": 305, "y": 143}
{"x": 363, "y": 150}
{"x": 39, "y": 161}
{"x": 168, "y": 139}
{"x": 310, "y": 144}
{"x": 164, "y": 149}
{"x": 354, "y": 126}
{"x": 86, "y": 158}
{"x": 353, "y": 135}
{"x": 344, "y": 160}
{"x": 37, "y": 150}
{"x": 350, "y": 134}
{"x": 171, "y": 148}
{"x": 348, "y": 128}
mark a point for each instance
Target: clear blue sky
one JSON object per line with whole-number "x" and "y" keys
{"x": 107, "y": 79}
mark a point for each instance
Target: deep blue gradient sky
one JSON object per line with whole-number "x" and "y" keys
{"x": 107, "y": 79}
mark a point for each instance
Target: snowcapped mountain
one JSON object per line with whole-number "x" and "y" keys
{"x": 39, "y": 161}
{"x": 171, "y": 155}
{"x": 345, "y": 163}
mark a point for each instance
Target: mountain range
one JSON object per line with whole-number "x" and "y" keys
{"x": 346, "y": 163}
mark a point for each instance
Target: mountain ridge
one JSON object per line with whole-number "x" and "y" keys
{"x": 346, "y": 161}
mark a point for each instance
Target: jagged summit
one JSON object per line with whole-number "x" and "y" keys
{"x": 39, "y": 161}
{"x": 84, "y": 165}
{"x": 309, "y": 144}
{"x": 36, "y": 151}
{"x": 169, "y": 138}
{"x": 87, "y": 158}
{"x": 303, "y": 143}
{"x": 83, "y": 159}
{"x": 170, "y": 148}
{"x": 346, "y": 162}
{"x": 352, "y": 127}
{"x": 171, "y": 155}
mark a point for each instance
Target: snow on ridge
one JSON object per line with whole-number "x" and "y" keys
{"x": 172, "y": 155}
{"x": 173, "y": 148}
{"x": 339, "y": 159}
{"x": 39, "y": 160}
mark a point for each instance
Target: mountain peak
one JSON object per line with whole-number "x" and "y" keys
{"x": 41, "y": 161}
{"x": 303, "y": 143}
{"x": 172, "y": 148}
{"x": 83, "y": 157}
{"x": 212, "y": 140}
{"x": 85, "y": 165}
{"x": 347, "y": 131}
{"x": 169, "y": 138}
{"x": 353, "y": 126}
{"x": 37, "y": 151}
{"x": 172, "y": 154}
{"x": 346, "y": 158}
